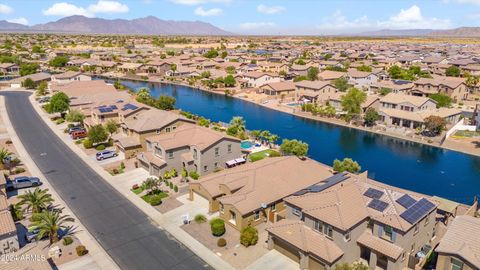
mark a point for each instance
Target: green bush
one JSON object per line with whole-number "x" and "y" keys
{"x": 67, "y": 240}
{"x": 100, "y": 147}
{"x": 194, "y": 175}
{"x": 200, "y": 218}
{"x": 249, "y": 236}
{"x": 81, "y": 250}
{"x": 221, "y": 242}
{"x": 175, "y": 188}
{"x": 19, "y": 170}
{"x": 59, "y": 121}
{"x": 218, "y": 226}
{"x": 170, "y": 185}
{"x": 122, "y": 165}
{"x": 155, "y": 200}
{"x": 87, "y": 144}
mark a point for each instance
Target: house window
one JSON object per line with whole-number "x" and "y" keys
{"x": 205, "y": 168}
{"x": 347, "y": 236}
{"x": 427, "y": 220}
{"x": 229, "y": 148}
{"x": 158, "y": 151}
{"x": 149, "y": 145}
{"x": 296, "y": 212}
{"x": 157, "y": 131}
{"x": 222, "y": 209}
{"x": 456, "y": 264}
{"x": 170, "y": 154}
{"x": 167, "y": 129}
{"x": 328, "y": 230}
{"x": 194, "y": 153}
{"x": 174, "y": 127}
{"x": 216, "y": 151}
{"x": 317, "y": 226}
{"x": 388, "y": 232}
{"x": 215, "y": 165}
{"x": 257, "y": 215}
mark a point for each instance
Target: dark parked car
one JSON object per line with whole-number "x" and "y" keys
{"x": 73, "y": 129}
{"x": 23, "y": 182}
{"x": 31, "y": 235}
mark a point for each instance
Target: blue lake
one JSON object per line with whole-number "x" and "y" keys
{"x": 408, "y": 165}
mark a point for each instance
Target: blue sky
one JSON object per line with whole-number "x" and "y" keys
{"x": 263, "y": 17}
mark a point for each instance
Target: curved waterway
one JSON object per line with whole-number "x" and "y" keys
{"x": 409, "y": 165}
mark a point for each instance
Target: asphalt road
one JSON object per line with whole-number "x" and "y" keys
{"x": 122, "y": 229}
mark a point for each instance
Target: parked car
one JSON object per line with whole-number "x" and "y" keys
{"x": 76, "y": 128}
{"x": 23, "y": 182}
{"x": 79, "y": 134}
{"x": 31, "y": 235}
{"x": 106, "y": 154}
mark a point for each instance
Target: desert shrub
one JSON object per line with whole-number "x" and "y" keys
{"x": 87, "y": 144}
{"x": 221, "y": 242}
{"x": 249, "y": 236}
{"x": 100, "y": 147}
{"x": 81, "y": 250}
{"x": 155, "y": 200}
{"x": 59, "y": 121}
{"x": 175, "y": 188}
{"x": 67, "y": 240}
{"x": 200, "y": 218}
{"x": 19, "y": 170}
{"x": 122, "y": 165}
{"x": 170, "y": 185}
{"x": 194, "y": 175}
{"x": 218, "y": 226}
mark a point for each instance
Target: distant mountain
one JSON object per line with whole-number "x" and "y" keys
{"x": 143, "y": 26}
{"x": 398, "y": 33}
{"x": 5, "y": 26}
{"x": 458, "y": 32}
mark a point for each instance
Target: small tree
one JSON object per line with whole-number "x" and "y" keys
{"x": 165, "y": 102}
{"x": 249, "y": 236}
{"x": 97, "y": 134}
{"x": 28, "y": 83}
{"x": 453, "y": 71}
{"x": 111, "y": 127}
{"x": 229, "y": 81}
{"x": 312, "y": 74}
{"x": 59, "y": 103}
{"x": 42, "y": 89}
{"x": 441, "y": 99}
{"x": 75, "y": 116}
{"x": 352, "y": 101}
{"x": 341, "y": 84}
{"x": 294, "y": 147}
{"x": 435, "y": 124}
{"x": 347, "y": 164}
{"x": 371, "y": 116}
{"x": 217, "y": 225}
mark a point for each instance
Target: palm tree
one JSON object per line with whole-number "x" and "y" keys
{"x": 255, "y": 134}
{"x": 37, "y": 200}
{"x": 239, "y": 123}
{"x": 143, "y": 93}
{"x": 4, "y": 153}
{"x": 272, "y": 139}
{"x": 265, "y": 134}
{"x": 49, "y": 222}
{"x": 111, "y": 127}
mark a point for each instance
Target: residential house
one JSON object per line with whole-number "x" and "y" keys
{"x": 278, "y": 88}
{"x": 70, "y": 76}
{"x": 395, "y": 86}
{"x": 130, "y": 67}
{"x": 36, "y": 78}
{"x": 189, "y": 147}
{"x": 361, "y": 79}
{"x": 9, "y": 68}
{"x": 459, "y": 248}
{"x": 349, "y": 218}
{"x": 330, "y": 76}
{"x": 312, "y": 91}
{"x": 8, "y": 231}
{"x": 253, "y": 193}
{"x": 257, "y": 79}
{"x": 451, "y": 86}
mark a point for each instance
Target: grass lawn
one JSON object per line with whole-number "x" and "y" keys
{"x": 263, "y": 154}
{"x": 137, "y": 190}
{"x": 147, "y": 197}
{"x": 466, "y": 133}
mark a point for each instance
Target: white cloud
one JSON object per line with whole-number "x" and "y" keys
{"x": 270, "y": 9}
{"x": 4, "y": 9}
{"x": 199, "y": 2}
{"x": 410, "y": 18}
{"x": 20, "y": 20}
{"x": 105, "y": 6}
{"x": 256, "y": 25}
{"x": 64, "y": 9}
{"x": 200, "y": 11}
{"x": 473, "y": 2}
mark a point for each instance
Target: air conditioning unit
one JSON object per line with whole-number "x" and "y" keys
{"x": 263, "y": 205}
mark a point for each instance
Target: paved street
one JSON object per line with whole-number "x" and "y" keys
{"x": 124, "y": 231}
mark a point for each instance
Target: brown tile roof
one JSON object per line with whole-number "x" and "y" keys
{"x": 190, "y": 135}
{"x": 67, "y": 75}
{"x": 402, "y": 98}
{"x": 327, "y": 75}
{"x": 153, "y": 119}
{"x": 304, "y": 238}
{"x": 377, "y": 244}
{"x": 315, "y": 85}
{"x": 281, "y": 86}
{"x": 463, "y": 239}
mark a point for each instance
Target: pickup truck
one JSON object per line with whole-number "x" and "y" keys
{"x": 23, "y": 182}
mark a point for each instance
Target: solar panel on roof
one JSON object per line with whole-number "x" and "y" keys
{"x": 373, "y": 193}
{"x": 378, "y": 205}
{"x": 406, "y": 201}
{"x": 114, "y": 107}
{"x": 417, "y": 211}
{"x": 331, "y": 181}
{"x": 102, "y": 110}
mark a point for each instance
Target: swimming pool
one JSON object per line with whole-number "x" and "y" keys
{"x": 246, "y": 144}
{"x": 294, "y": 104}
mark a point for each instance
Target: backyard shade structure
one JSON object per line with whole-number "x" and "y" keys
{"x": 235, "y": 162}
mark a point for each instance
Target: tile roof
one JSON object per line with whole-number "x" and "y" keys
{"x": 402, "y": 98}
{"x": 377, "y": 244}
{"x": 153, "y": 119}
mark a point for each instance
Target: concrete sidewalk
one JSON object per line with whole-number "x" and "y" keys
{"x": 122, "y": 183}
{"x": 96, "y": 252}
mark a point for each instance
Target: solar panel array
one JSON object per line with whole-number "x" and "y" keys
{"x": 105, "y": 108}
{"x": 417, "y": 211}
{"x": 373, "y": 193}
{"x": 378, "y": 205}
{"x": 406, "y": 201}
{"x": 129, "y": 106}
{"x": 331, "y": 181}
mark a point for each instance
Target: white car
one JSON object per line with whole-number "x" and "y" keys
{"x": 106, "y": 154}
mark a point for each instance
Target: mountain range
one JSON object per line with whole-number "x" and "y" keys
{"x": 456, "y": 32}
{"x": 143, "y": 26}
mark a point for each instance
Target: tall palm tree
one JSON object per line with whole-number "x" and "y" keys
{"x": 49, "y": 222}
{"x": 4, "y": 153}
{"x": 272, "y": 139}
{"x": 264, "y": 135}
{"x": 143, "y": 93}
{"x": 238, "y": 122}
{"x": 37, "y": 200}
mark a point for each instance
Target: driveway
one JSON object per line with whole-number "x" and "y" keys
{"x": 120, "y": 157}
{"x": 122, "y": 229}
{"x": 273, "y": 260}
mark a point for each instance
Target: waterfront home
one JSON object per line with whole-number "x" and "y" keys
{"x": 116, "y": 108}
{"x": 189, "y": 147}
{"x": 157, "y": 67}
{"x": 130, "y": 67}
{"x": 85, "y": 92}
{"x": 135, "y": 128}
{"x": 395, "y": 86}
{"x": 274, "y": 67}
{"x": 460, "y": 246}
{"x": 361, "y": 79}
{"x": 70, "y": 76}
{"x": 451, "y": 86}
{"x": 257, "y": 79}
{"x": 252, "y": 194}
{"x": 350, "y": 218}
{"x": 278, "y": 88}
{"x": 8, "y": 231}
{"x": 407, "y": 102}
{"x": 413, "y": 120}
{"x": 314, "y": 91}
{"x": 36, "y": 78}
{"x": 9, "y": 68}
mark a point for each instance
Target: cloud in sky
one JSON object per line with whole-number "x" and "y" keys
{"x": 410, "y": 18}
{"x": 4, "y": 9}
{"x": 200, "y": 11}
{"x": 474, "y": 2}
{"x": 256, "y": 25}
{"x": 199, "y": 2}
{"x": 64, "y": 9}
{"x": 270, "y": 9}
{"x": 20, "y": 20}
